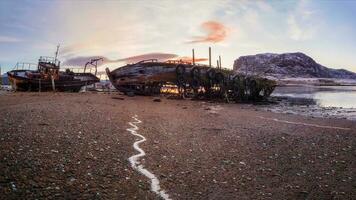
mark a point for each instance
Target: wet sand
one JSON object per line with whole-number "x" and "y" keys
{"x": 76, "y": 146}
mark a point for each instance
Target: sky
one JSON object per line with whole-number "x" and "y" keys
{"x": 124, "y": 31}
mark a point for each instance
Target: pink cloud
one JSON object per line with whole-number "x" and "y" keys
{"x": 158, "y": 56}
{"x": 190, "y": 59}
{"x": 217, "y": 32}
{"x": 82, "y": 60}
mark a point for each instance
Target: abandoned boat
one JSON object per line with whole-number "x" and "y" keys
{"x": 47, "y": 76}
{"x": 148, "y": 77}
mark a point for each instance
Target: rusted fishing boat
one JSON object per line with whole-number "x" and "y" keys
{"x": 47, "y": 76}
{"x": 149, "y": 77}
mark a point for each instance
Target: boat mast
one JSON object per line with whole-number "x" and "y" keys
{"x": 209, "y": 56}
{"x": 193, "y": 56}
{"x": 56, "y": 55}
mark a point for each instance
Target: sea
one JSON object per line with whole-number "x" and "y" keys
{"x": 318, "y": 101}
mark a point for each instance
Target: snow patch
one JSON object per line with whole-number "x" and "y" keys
{"x": 304, "y": 124}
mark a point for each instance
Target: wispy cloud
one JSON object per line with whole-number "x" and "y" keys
{"x": 216, "y": 32}
{"x": 73, "y": 48}
{"x": 127, "y": 29}
{"x": 303, "y": 22}
{"x": 82, "y": 60}
{"x": 264, "y": 6}
{"x": 119, "y": 29}
{"x": 9, "y": 39}
{"x": 190, "y": 59}
{"x": 158, "y": 56}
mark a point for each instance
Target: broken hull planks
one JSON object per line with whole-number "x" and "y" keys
{"x": 129, "y": 77}
{"x": 147, "y": 78}
{"x": 144, "y": 73}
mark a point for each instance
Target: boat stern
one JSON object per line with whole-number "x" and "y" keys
{"x": 17, "y": 79}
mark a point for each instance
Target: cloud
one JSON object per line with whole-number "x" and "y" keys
{"x": 217, "y": 32}
{"x": 190, "y": 59}
{"x": 73, "y": 48}
{"x": 119, "y": 29}
{"x": 264, "y": 6}
{"x": 124, "y": 28}
{"x": 82, "y": 60}
{"x": 7, "y": 39}
{"x": 303, "y": 22}
{"x": 158, "y": 56}
{"x": 252, "y": 20}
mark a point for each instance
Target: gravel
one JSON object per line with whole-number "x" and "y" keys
{"x": 75, "y": 146}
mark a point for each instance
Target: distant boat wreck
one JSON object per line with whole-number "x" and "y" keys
{"x": 47, "y": 76}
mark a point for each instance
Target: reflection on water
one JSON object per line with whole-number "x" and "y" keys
{"x": 325, "y": 96}
{"x": 336, "y": 99}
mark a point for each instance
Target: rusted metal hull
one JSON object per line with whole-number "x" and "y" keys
{"x": 21, "y": 82}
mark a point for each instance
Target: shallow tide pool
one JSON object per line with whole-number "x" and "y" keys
{"x": 324, "y": 96}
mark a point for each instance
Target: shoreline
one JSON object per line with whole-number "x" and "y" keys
{"x": 76, "y": 145}
{"x": 309, "y": 108}
{"x": 282, "y": 104}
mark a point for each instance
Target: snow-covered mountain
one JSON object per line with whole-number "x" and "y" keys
{"x": 288, "y": 65}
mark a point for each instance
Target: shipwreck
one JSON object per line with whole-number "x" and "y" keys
{"x": 46, "y": 75}
{"x": 151, "y": 77}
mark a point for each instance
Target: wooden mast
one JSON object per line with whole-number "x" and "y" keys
{"x": 56, "y": 54}
{"x": 209, "y": 56}
{"x": 220, "y": 62}
{"x": 193, "y": 56}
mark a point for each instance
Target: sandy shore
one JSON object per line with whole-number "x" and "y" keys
{"x": 76, "y": 146}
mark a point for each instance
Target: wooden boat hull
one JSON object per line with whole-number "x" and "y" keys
{"x": 145, "y": 78}
{"x": 149, "y": 77}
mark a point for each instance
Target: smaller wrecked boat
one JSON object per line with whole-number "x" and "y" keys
{"x": 48, "y": 76}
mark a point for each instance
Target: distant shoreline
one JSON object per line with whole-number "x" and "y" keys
{"x": 316, "y": 82}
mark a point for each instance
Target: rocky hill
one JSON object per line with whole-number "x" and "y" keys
{"x": 288, "y": 65}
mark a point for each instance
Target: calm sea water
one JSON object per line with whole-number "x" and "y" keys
{"x": 324, "y": 96}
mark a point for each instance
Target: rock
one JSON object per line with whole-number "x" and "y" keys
{"x": 43, "y": 124}
{"x": 157, "y": 99}
{"x": 13, "y": 186}
{"x": 288, "y": 65}
{"x": 119, "y": 98}
{"x": 54, "y": 151}
{"x": 130, "y": 94}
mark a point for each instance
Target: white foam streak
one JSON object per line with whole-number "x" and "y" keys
{"x": 135, "y": 163}
{"x": 304, "y": 124}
